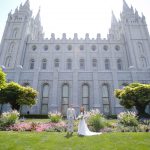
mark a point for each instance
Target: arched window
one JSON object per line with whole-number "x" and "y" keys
{"x": 107, "y": 64}
{"x": 82, "y": 64}
{"x": 105, "y": 99}
{"x": 65, "y": 99}
{"x": 119, "y": 64}
{"x": 143, "y": 62}
{"x": 32, "y": 62}
{"x": 44, "y": 64}
{"x": 140, "y": 47}
{"x": 56, "y": 63}
{"x": 94, "y": 63}
{"x": 11, "y": 47}
{"x": 69, "y": 64}
{"x": 15, "y": 32}
{"x": 45, "y": 98}
{"x": 8, "y": 61}
{"x": 85, "y": 96}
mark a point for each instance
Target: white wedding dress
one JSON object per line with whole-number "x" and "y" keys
{"x": 83, "y": 129}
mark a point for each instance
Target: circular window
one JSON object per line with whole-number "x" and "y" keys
{"x": 93, "y": 47}
{"x": 117, "y": 47}
{"x": 81, "y": 47}
{"x": 57, "y": 47}
{"x": 45, "y": 47}
{"x": 105, "y": 47}
{"x": 69, "y": 47}
{"x": 34, "y": 47}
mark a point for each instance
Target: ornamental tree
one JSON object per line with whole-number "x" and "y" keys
{"x": 135, "y": 94}
{"x": 17, "y": 95}
{"x": 2, "y": 79}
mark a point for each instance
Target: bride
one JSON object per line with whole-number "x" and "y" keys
{"x": 82, "y": 127}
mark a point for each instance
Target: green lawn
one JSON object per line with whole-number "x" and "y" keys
{"x": 57, "y": 141}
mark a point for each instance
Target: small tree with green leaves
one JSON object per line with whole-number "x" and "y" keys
{"x": 2, "y": 79}
{"x": 17, "y": 95}
{"x": 135, "y": 94}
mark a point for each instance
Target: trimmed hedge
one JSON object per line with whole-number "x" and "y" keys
{"x": 111, "y": 116}
{"x": 34, "y": 116}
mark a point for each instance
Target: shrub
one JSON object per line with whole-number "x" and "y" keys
{"x": 55, "y": 117}
{"x": 38, "y": 127}
{"x": 96, "y": 121}
{"x": 35, "y": 116}
{"x": 9, "y": 118}
{"x": 127, "y": 119}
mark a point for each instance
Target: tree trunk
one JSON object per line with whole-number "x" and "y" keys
{"x": 141, "y": 111}
{"x": 15, "y": 106}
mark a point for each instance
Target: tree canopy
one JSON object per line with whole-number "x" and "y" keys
{"x": 15, "y": 94}
{"x": 2, "y": 79}
{"x": 135, "y": 94}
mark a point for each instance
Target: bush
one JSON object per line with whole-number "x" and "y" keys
{"x": 55, "y": 117}
{"x": 96, "y": 122}
{"x": 111, "y": 116}
{"x": 128, "y": 119}
{"x": 34, "y": 116}
{"x": 9, "y": 118}
{"x": 95, "y": 119}
{"x": 139, "y": 128}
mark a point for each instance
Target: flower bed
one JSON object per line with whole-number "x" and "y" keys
{"x": 39, "y": 127}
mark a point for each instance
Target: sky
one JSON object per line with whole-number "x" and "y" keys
{"x": 74, "y": 16}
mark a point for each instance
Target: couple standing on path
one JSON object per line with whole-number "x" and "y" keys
{"x": 82, "y": 126}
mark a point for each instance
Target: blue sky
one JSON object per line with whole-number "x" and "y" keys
{"x": 74, "y": 16}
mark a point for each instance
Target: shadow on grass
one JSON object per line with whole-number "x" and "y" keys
{"x": 70, "y": 135}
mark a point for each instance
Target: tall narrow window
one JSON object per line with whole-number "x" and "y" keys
{"x": 8, "y": 61}
{"x": 94, "y": 63}
{"x": 56, "y": 63}
{"x": 105, "y": 99}
{"x": 69, "y": 64}
{"x": 107, "y": 64}
{"x": 82, "y": 64}
{"x": 45, "y": 99}
{"x": 15, "y": 32}
{"x": 44, "y": 64}
{"x": 11, "y": 47}
{"x": 143, "y": 62}
{"x": 140, "y": 47}
{"x": 85, "y": 96}
{"x": 32, "y": 62}
{"x": 119, "y": 64}
{"x": 65, "y": 99}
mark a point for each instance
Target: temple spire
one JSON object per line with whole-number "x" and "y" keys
{"x": 125, "y": 6}
{"x": 113, "y": 19}
{"x": 27, "y": 4}
{"x": 38, "y": 18}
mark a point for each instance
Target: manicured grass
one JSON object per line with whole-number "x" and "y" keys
{"x": 57, "y": 141}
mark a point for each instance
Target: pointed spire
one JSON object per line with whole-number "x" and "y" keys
{"x": 38, "y": 18}
{"x": 27, "y": 4}
{"x": 136, "y": 12}
{"x": 113, "y": 19}
{"x": 125, "y": 6}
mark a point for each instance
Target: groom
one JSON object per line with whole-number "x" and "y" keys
{"x": 71, "y": 116}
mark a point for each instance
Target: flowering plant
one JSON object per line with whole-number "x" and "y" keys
{"x": 38, "y": 127}
{"x": 8, "y": 118}
{"x": 128, "y": 118}
{"x": 55, "y": 116}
